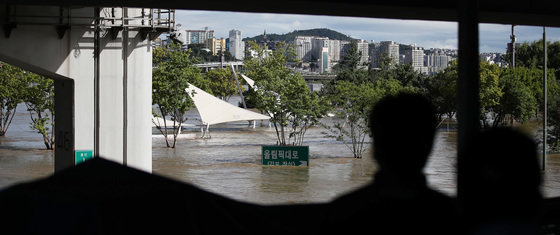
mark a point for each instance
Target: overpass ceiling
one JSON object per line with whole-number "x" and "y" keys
{"x": 544, "y": 12}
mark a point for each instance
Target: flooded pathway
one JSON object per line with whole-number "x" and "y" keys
{"x": 229, "y": 164}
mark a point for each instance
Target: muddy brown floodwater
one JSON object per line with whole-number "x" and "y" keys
{"x": 229, "y": 164}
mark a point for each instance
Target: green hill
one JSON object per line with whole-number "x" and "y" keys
{"x": 331, "y": 34}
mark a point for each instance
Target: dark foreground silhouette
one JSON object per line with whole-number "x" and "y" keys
{"x": 399, "y": 200}
{"x": 501, "y": 195}
{"x": 103, "y": 197}
{"x": 501, "y": 184}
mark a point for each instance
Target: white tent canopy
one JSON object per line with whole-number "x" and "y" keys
{"x": 249, "y": 81}
{"x": 213, "y": 110}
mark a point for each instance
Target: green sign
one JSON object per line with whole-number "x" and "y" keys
{"x": 83, "y": 155}
{"x": 273, "y": 155}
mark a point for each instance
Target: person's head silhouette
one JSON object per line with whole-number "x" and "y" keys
{"x": 501, "y": 177}
{"x": 403, "y": 128}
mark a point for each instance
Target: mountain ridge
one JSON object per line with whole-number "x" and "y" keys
{"x": 317, "y": 32}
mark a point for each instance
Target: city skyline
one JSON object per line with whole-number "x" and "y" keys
{"x": 427, "y": 34}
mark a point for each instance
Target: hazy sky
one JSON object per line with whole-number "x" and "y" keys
{"x": 427, "y": 34}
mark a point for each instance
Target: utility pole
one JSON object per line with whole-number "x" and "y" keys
{"x": 545, "y": 114}
{"x": 238, "y": 86}
{"x": 513, "y": 39}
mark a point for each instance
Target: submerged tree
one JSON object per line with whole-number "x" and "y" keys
{"x": 353, "y": 103}
{"x": 221, "y": 82}
{"x": 442, "y": 90}
{"x": 11, "y": 94}
{"x": 173, "y": 69}
{"x": 282, "y": 93}
{"x": 39, "y": 99}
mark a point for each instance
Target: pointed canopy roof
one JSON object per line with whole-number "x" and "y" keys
{"x": 249, "y": 81}
{"x": 213, "y": 110}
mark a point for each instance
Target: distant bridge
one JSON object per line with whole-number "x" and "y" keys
{"x": 215, "y": 65}
{"x": 317, "y": 77}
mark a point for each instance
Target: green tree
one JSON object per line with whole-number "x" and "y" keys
{"x": 173, "y": 69}
{"x": 409, "y": 77}
{"x": 553, "y": 130}
{"x": 39, "y": 99}
{"x": 517, "y": 102}
{"x": 351, "y": 59}
{"x": 282, "y": 93}
{"x": 490, "y": 92}
{"x": 347, "y": 70}
{"x": 352, "y": 93}
{"x": 11, "y": 87}
{"x": 442, "y": 90}
{"x": 530, "y": 54}
{"x": 353, "y": 104}
{"x": 221, "y": 82}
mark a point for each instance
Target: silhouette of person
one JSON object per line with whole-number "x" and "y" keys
{"x": 398, "y": 201}
{"x": 500, "y": 193}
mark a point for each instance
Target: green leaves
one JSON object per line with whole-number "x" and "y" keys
{"x": 16, "y": 86}
{"x": 221, "y": 82}
{"x": 282, "y": 93}
{"x": 39, "y": 100}
{"x": 11, "y": 94}
{"x": 173, "y": 70}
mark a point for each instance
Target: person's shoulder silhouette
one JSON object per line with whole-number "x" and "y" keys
{"x": 398, "y": 201}
{"x": 501, "y": 180}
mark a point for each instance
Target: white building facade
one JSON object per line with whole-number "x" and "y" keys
{"x": 236, "y": 44}
{"x": 388, "y": 49}
{"x": 415, "y": 57}
{"x": 303, "y": 47}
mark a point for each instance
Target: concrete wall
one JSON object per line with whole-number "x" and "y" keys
{"x": 124, "y": 98}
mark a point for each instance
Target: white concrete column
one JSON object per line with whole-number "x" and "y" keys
{"x": 124, "y": 98}
{"x": 139, "y": 100}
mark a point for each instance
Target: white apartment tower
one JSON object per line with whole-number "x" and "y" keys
{"x": 387, "y": 49}
{"x": 334, "y": 50}
{"x": 198, "y": 36}
{"x": 236, "y": 44}
{"x": 415, "y": 56}
{"x": 436, "y": 61}
{"x": 363, "y": 48}
{"x": 304, "y": 47}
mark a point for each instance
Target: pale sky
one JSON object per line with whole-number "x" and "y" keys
{"x": 427, "y": 34}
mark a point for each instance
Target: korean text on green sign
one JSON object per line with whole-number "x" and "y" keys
{"x": 285, "y": 155}
{"x": 83, "y": 155}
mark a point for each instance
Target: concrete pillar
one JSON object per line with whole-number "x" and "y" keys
{"x": 64, "y": 124}
{"x": 119, "y": 110}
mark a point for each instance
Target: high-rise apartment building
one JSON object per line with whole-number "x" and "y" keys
{"x": 313, "y": 49}
{"x": 198, "y": 36}
{"x": 215, "y": 45}
{"x": 303, "y": 47}
{"x": 415, "y": 56}
{"x": 236, "y": 44}
{"x": 363, "y": 48}
{"x": 334, "y": 50}
{"x": 436, "y": 60}
{"x": 324, "y": 61}
{"x": 386, "y": 49}
{"x": 318, "y": 43}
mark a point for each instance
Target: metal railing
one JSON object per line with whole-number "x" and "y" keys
{"x": 155, "y": 21}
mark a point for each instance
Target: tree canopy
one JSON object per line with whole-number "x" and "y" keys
{"x": 11, "y": 94}
{"x": 39, "y": 100}
{"x": 173, "y": 69}
{"x": 282, "y": 93}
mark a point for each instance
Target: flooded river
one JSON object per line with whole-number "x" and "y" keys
{"x": 229, "y": 164}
